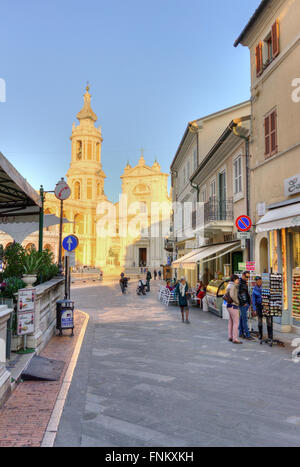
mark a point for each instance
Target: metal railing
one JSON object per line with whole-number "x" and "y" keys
{"x": 218, "y": 210}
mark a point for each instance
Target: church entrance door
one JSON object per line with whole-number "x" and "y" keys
{"x": 142, "y": 256}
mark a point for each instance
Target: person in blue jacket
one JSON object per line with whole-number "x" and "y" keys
{"x": 258, "y": 309}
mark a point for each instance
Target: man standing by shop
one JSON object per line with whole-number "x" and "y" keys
{"x": 245, "y": 302}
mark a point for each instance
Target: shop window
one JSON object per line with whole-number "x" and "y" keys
{"x": 296, "y": 250}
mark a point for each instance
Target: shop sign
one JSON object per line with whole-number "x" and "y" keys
{"x": 250, "y": 265}
{"x": 292, "y": 185}
{"x": 261, "y": 209}
{"x": 242, "y": 266}
{"x": 26, "y": 311}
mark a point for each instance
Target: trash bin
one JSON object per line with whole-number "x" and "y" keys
{"x": 65, "y": 315}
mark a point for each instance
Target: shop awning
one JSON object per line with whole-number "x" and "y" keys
{"x": 17, "y": 197}
{"x": 178, "y": 262}
{"x": 202, "y": 254}
{"x": 20, "y": 229}
{"x": 280, "y": 218}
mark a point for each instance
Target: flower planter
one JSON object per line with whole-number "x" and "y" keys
{"x": 29, "y": 280}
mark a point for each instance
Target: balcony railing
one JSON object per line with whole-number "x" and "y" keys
{"x": 218, "y": 210}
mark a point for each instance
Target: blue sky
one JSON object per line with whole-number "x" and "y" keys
{"x": 153, "y": 66}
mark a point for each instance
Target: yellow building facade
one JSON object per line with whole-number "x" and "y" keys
{"x": 141, "y": 186}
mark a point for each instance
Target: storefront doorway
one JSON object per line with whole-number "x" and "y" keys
{"x": 142, "y": 256}
{"x": 237, "y": 257}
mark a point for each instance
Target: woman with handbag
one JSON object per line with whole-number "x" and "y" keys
{"x": 231, "y": 297}
{"x": 182, "y": 289}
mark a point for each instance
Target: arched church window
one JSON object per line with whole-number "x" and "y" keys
{"x": 77, "y": 190}
{"x": 78, "y": 150}
{"x": 89, "y": 189}
{"x": 89, "y": 151}
{"x": 30, "y": 247}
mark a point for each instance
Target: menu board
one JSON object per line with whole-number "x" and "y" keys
{"x": 26, "y": 311}
{"x": 296, "y": 293}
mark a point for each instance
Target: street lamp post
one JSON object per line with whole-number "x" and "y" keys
{"x": 62, "y": 192}
{"x": 41, "y": 219}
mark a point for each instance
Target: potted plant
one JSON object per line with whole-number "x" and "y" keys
{"x": 31, "y": 264}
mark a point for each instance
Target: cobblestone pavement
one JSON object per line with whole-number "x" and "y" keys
{"x": 145, "y": 379}
{"x": 25, "y": 416}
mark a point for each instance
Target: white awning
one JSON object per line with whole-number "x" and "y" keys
{"x": 20, "y": 230}
{"x": 280, "y": 218}
{"x": 190, "y": 261}
{"x": 178, "y": 262}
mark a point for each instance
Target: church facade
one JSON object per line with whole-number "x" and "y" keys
{"x": 142, "y": 186}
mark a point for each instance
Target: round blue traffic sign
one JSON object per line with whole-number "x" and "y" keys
{"x": 244, "y": 223}
{"x": 70, "y": 243}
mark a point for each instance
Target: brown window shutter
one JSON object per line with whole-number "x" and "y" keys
{"x": 275, "y": 39}
{"x": 273, "y": 132}
{"x": 259, "y": 61}
{"x": 267, "y": 135}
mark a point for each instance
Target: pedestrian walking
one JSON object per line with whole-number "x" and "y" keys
{"x": 182, "y": 289}
{"x": 244, "y": 305}
{"x": 231, "y": 297}
{"x": 258, "y": 309}
{"x": 155, "y": 274}
{"x": 159, "y": 275}
{"x": 148, "y": 279}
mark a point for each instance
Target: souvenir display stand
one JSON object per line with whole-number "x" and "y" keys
{"x": 296, "y": 293}
{"x": 272, "y": 290}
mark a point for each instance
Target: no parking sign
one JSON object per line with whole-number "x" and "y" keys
{"x": 243, "y": 223}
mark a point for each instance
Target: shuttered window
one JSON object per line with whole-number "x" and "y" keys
{"x": 275, "y": 39}
{"x": 271, "y": 134}
{"x": 259, "y": 59}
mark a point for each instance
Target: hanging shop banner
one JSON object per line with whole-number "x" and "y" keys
{"x": 26, "y": 311}
{"x": 250, "y": 265}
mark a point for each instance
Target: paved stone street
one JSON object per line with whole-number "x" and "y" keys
{"x": 145, "y": 379}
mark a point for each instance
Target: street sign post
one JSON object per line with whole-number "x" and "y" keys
{"x": 243, "y": 223}
{"x": 244, "y": 235}
{"x": 70, "y": 243}
{"x": 62, "y": 192}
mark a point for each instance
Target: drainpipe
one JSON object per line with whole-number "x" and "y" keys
{"x": 246, "y": 139}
